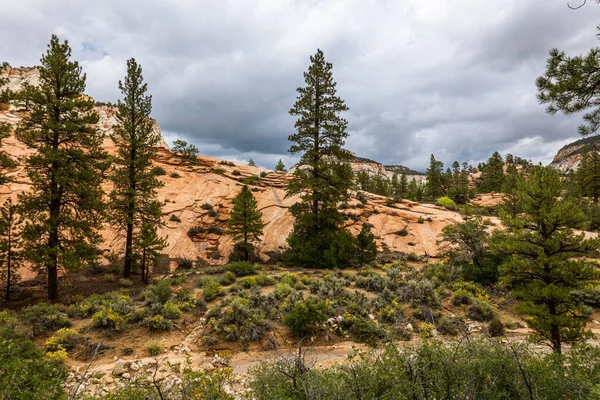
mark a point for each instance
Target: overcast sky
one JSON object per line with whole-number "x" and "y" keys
{"x": 451, "y": 77}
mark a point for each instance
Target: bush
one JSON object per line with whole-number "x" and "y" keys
{"x": 213, "y": 214}
{"x": 43, "y": 316}
{"x": 236, "y": 172}
{"x": 170, "y": 311}
{"x": 462, "y": 297}
{"x": 108, "y": 318}
{"x": 174, "y": 218}
{"x": 125, "y": 282}
{"x": 26, "y": 373}
{"x": 64, "y": 338}
{"x": 481, "y": 310}
{"x": 217, "y": 230}
{"x": 496, "y": 328}
{"x": 264, "y": 280}
{"x": 161, "y": 292}
{"x": 211, "y": 290}
{"x": 248, "y": 282}
{"x": 227, "y": 279}
{"x": 206, "y": 206}
{"x": 402, "y": 232}
{"x": 420, "y": 220}
{"x": 175, "y": 175}
{"x": 195, "y": 230}
{"x": 447, "y": 203}
{"x": 251, "y": 180}
{"x": 305, "y": 316}
{"x": 263, "y": 174}
{"x": 158, "y": 171}
{"x": 153, "y": 348}
{"x": 241, "y": 268}
{"x": 157, "y": 323}
{"x": 218, "y": 171}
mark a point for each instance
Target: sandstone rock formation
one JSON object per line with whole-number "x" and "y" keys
{"x": 568, "y": 157}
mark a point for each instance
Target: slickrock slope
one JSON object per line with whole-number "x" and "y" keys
{"x": 568, "y": 157}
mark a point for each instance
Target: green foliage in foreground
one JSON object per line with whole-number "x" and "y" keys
{"x": 435, "y": 370}
{"x": 24, "y": 371}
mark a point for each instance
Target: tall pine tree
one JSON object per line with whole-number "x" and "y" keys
{"x": 492, "y": 176}
{"x": 133, "y": 200}
{"x": 280, "y": 166}
{"x": 245, "y": 223}
{"x": 434, "y": 187}
{"x": 6, "y": 162}
{"x": 323, "y": 180}
{"x": 545, "y": 259}
{"x": 64, "y": 207}
{"x": 10, "y": 245}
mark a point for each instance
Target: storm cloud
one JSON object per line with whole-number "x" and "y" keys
{"x": 453, "y": 78}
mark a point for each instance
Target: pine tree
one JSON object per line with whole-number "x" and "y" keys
{"x": 10, "y": 245}
{"x": 592, "y": 175}
{"x": 570, "y": 85}
{"x": 511, "y": 205}
{"x": 492, "y": 176}
{"x": 403, "y": 184}
{"x": 148, "y": 247}
{"x": 366, "y": 249}
{"x": 6, "y": 162}
{"x": 133, "y": 200}
{"x": 187, "y": 151}
{"x": 64, "y": 207}
{"x": 280, "y": 166}
{"x": 434, "y": 187}
{"x": 245, "y": 223}
{"x": 251, "y": 163}
{"x": 324, "y": 179}
{"x": 547, "y": 259}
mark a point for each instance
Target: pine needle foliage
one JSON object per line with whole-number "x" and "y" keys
{"x": 64, "y": 207}
{"x": 11, "y": 245}
{"x": 133, "y": 201}
{"x": 324, "y": 177}
{"x": 245, "y": 224}
{"x": 547, "y": 259}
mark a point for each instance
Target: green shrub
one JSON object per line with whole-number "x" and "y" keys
{"x": 447, "y": 203}
{"x": 283, "y": 290}
{"x": 174, "y": 218}
{"x": 65, "y": 338}
{"x": 215, "y": 229}
{"x": 263, "y": 174}
{"x": 157, "y": 323}
{"x": 195, "y": 230}
{"x": 25, "y": 372}
{"x": 420, "y": 220}
{"x": 251, "y": 180}
{"x": 481, "y": 310}
{"x": 43, "y": 317}
{"x": 158, "y": 171}
{"x": 125, "y": 282}
{"x": 153, "y": 348}
{"x": 170, "y": 311}
{"x": 461, "y": 297}
{"x": 241, "y": 268}
{"x": 213, "y": 214}
{"x": 211, "y": 290}
{"x": 108, "y": 318}
{"x": 263, "y": 279}
{"x": 306, "y": 316}
{"x": 227, "y": 279}
{"x": 175, "y": 175}
{"x": 161, "y": 291}
{"x": 496, "y": 328}
{"x": 248, "y": 282}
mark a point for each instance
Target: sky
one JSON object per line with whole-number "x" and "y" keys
{"x": 453, "y": 78}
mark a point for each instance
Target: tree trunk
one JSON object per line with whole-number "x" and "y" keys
{"x": 128, "y": 251}
{"x": 130, "y": 212}
{"x": 8, "y": 259}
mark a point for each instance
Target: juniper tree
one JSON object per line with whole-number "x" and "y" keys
{"x": 280, "y": 166}
{"x": 64, "y": 207}
{"x": 10, "y": 245}
{"x": 324, "y": 178}
{"x": 251, "y": 163}
{"x": 547, "y": 259}
{"x": 133, "y": 200}
{"x": 570, "y": 84}
{"x": 245, "y": 223}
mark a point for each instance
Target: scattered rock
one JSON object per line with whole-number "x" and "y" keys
{"x": 121, "y": 366}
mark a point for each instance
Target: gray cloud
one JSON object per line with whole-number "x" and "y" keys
{"x": 451, "y": 78}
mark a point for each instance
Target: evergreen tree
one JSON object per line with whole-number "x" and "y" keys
{"x": 570, "y": 85}
{"x": 492, "y": 176}
{"x": 245, "y": 221}
{"x": 581, "y": 174}
{"x": 592, "y": 176}
{"x": 187, "y": 151}
{"x": 547, "y": 259}
{"x": 64, "y": 207}
{"x": 434, "y": 187}
{"x": 6, "y": 162}
{"x": 318, "y": 238}
{"x": 10, "y": 245}
{"x": 280, "y": 166}
{"x": 251, "y": 163}
{"x": 366, "y": 249}
{"x": 403, "y": 187}
{"x": 148, "y": 247}
{"x": 511, "y": 205}
{"x": 133, "y": 200}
